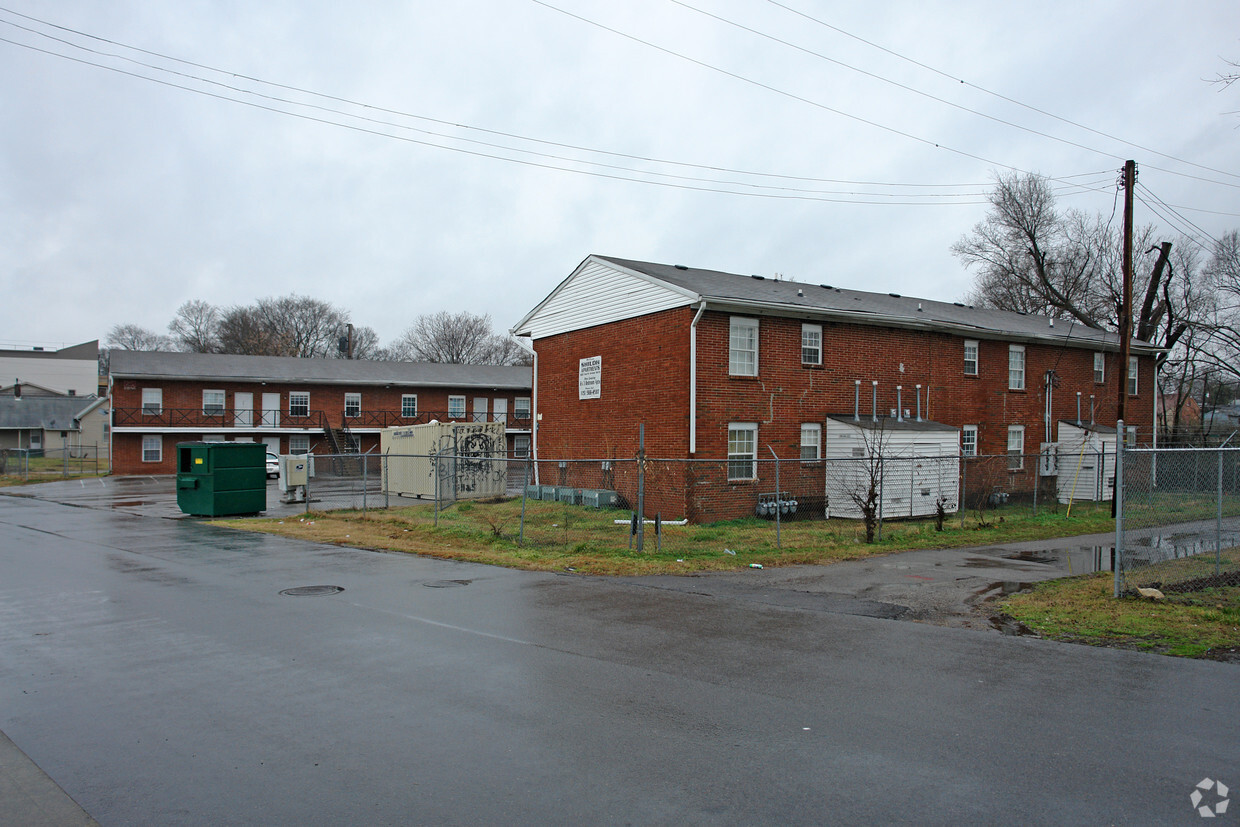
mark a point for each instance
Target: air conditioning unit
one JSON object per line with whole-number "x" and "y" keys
{"x": 532, "y": 492}
{"x": 600, "y": 498}
{"x": 565, "y": 494}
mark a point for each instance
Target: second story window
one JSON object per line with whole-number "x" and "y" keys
{"x": 152, "y": 401}
{"x": 1016, "y": 367}
{"x": 1100, "y": 368}
{"x": 456, "y": 407}
{"x": 970, "y": 357}
{"x": 352, "y": 405}
{"x": 743, "y": 347}
{"x": 811, "y": 344}
{"x": 521, "y": 407}
{"x": 299, "y": 403}
{"x": 212, "y": 403}
{"x": 409, "y": 405}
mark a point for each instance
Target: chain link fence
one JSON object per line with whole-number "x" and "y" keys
{"x": 44, "y": 464}
{"x": 1178, "y": 519}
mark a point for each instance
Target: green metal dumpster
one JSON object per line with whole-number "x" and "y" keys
{"x": 216, "y": 479}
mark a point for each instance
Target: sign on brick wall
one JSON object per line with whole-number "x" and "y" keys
{"x": 590, "y": 378}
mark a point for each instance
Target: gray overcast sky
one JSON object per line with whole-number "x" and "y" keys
{"x": 122, "y": 198}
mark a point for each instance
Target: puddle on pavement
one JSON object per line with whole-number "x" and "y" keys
{"x": 128, "y": 503}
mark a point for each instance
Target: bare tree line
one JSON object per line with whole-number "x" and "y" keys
{"x": 310, "y": 328}
{"x": 1031, "y": 256}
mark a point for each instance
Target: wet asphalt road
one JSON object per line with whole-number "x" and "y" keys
{"x": 153, "y": 669}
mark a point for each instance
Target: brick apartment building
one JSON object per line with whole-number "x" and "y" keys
{"x": 719, "y": 366}
{"x": 296, "y": 405}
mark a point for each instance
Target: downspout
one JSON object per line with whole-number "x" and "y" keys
{"x": 693, "y": 378}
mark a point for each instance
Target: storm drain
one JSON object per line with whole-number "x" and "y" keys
{"x": 312, "y": 591}
{"x": 446, "y": 584}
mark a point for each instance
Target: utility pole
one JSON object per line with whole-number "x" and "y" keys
{"x": 1125, "y": 313}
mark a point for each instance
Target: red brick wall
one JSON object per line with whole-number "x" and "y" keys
{"x": 646, "y": 375}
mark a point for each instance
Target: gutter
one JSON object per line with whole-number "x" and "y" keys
{"x": 693, "y": 378}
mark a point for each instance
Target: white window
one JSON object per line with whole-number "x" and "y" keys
{"x": 970, "y": 357}
{"x": 1132, "y": 376}
{"x": 152, "y": 449}
{"x": 1016, "y": 447}
{"x": 1100, "y": 368}
{"x": 811, "y": 440}
{"x": 968, "y": 441}
{"x": 743, "y": 347}
{"x": 1016, "y": 367}
{"x": 811, "y": 344}
{"x": 409, "y": 405}
{"x": 742, "y": 451}
{"x": 299, "y": 444}
{"x": 36, "y": 440}
{"x": 521, "y": 407}
{"x": 299, "y": 403}
{"x": 152, "y": 401}
{"x": 212, "y": 403}
{"x": 352, "y": 405}
{"x": 456, "y": 407}
{"x": 521, "y": 446}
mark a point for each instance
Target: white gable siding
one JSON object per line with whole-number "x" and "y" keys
{"x": 919, "y": 468}
{"x": 1086, "y": 464}
{"x": 597, "y": 294}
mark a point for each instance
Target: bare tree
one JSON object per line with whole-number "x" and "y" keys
{"x": 457, "y": 338}
{"x": 1223, "y": 271}
{"x": 366, "y": 344}
{"x": 242, "y": 331}
{"x": 134, "y": 337}
{"x": 301, "y": 326}
{"x": 196, "y": 327}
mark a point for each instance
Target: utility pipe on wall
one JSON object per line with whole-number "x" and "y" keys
{"x": 693, "y": 378}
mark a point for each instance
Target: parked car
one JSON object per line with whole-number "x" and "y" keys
{"x": 273, "y": 466}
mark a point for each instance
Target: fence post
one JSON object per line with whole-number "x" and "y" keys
{"x": 1118, "y": 495}
{"x": 1218, "y": 520}
{"x": 438, "y": 485}
{"x": 882, "y": 483}
{"x": 525, "y": 487}
{"x": 641, "y": 484}
{"x": 779, "y": 503}
{"x": 384, "y": 470}
{"x": 1037, "y": 481}
{"x": 365, "y": 480}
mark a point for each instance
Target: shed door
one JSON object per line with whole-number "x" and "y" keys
{"x": 243, "y": 409}
{"x": 271, "y": 409}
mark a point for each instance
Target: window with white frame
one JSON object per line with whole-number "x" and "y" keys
{"x": 299, "y": 444}
{"x": 299, "y": 403}
{"x": 352, "y": 405}
{"x": 1016, "y": 447}
{"x": 409, "y": 405}
{"x": 811, "y": 344}
{"x": 811, "y": 440}
{"x": 1130, "y": 436}
{"x": 212, "y": 402}
{"x": 1100, "y": 368}
{"x": 456, "y": 407}
{"x": 742, "y": 451}
{"x": 521, "y": 446}
{"x": 152, "y": 401}
{"x": 968, "y": 441}
{"x": 1132, "y": 376}
{"x": 743, "y": 347}
{"x": 970, "y": 357}
{"x": 1016, "y": 367}
{"x": 521, "y": 407}
{"x": 152, "y": 449}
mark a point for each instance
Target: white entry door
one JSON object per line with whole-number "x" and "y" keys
{"x": 271, "y": 410}
{"x": 480, "y": 409}
{"x": 272, "y": 443}
{"x": 243, "y": 410}
{"x": 500, "y": 408}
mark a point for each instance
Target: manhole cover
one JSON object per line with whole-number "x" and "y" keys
{"x": 312, "y": 591}
{"x": 446, "y": 584}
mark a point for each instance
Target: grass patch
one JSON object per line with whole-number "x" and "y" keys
{"x": 1199, "y": 624}
{"x": 560, "y": 536}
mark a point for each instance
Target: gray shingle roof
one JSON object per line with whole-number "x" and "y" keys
{"x": 879, "y": 308}
{"x": 50, "y": 413}
{"x": 136, "y": 364}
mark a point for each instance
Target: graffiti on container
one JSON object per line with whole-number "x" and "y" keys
{"x": 471, "y": 460}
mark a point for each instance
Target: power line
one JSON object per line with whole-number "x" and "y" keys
{"x": 498, "y": 133}
{"x": 1010, "y": 100}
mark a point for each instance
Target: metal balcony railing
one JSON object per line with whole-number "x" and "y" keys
{"x": 213, "y": 419}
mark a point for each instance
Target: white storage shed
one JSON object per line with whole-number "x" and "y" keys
{"x": 1086, "y": 462}
{"x": 445, "y": 460}
{"x": 920, "y": 465}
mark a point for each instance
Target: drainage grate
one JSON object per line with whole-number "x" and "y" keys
{"x": 312, "y": 591}
{"x": 446, "y": 584}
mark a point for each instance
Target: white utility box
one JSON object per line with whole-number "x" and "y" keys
{"x": 445, "y": 460}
